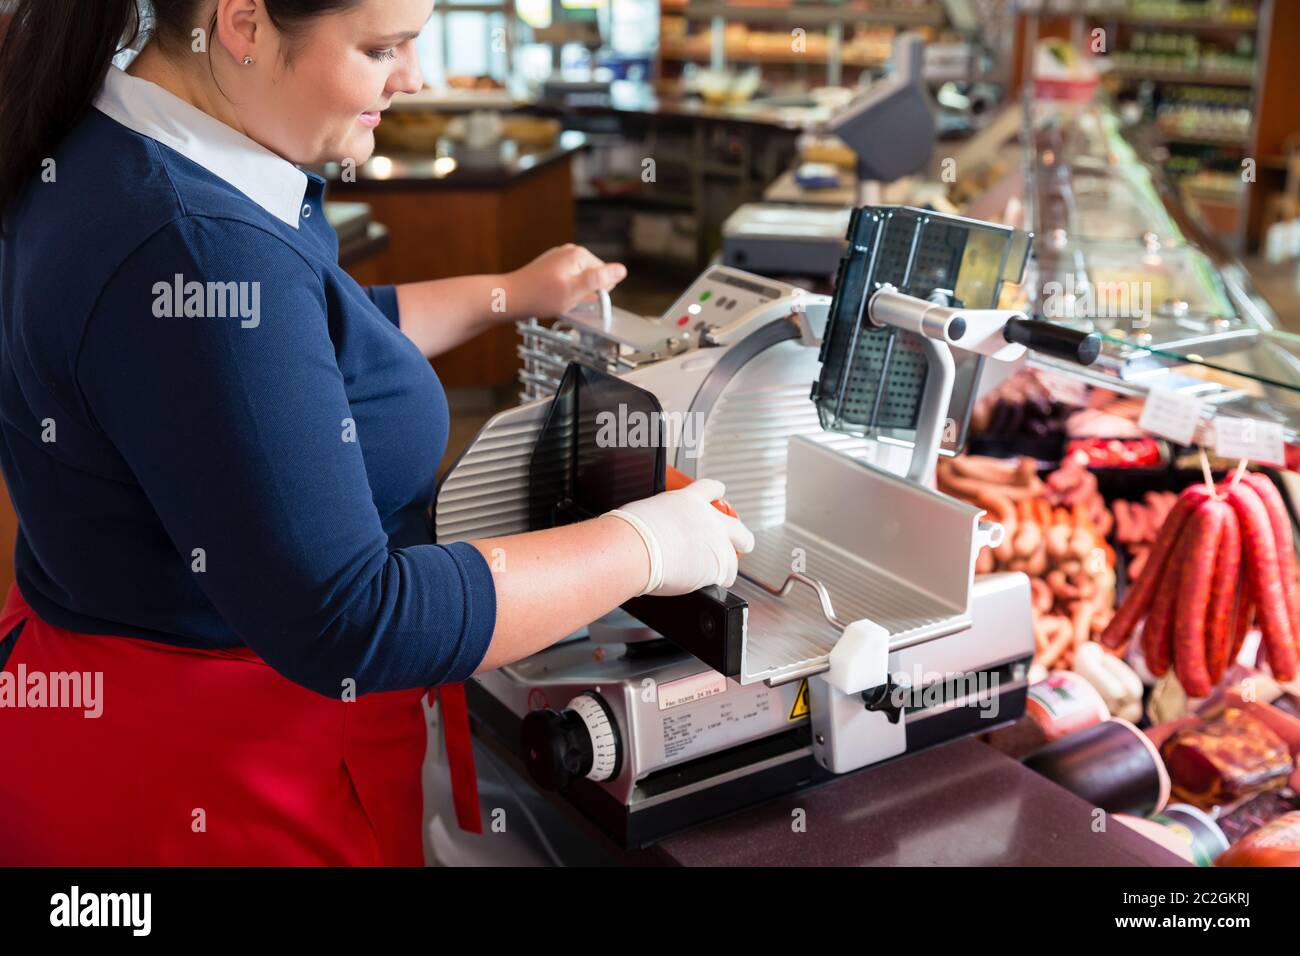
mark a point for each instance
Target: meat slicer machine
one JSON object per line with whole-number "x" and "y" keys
{"x": 856, "y": 631}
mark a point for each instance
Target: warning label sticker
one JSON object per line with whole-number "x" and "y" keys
{"x": 800, "y": 708}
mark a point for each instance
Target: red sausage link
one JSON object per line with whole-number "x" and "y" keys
{"x": 1140, "y": 595}
{"x": 1219, "y": 619}
{"x": 1200, "y": 548}
{"x": 1260, "y": 552}
{"x": 1280, "y": 520}
{"x": 1244, "y": 615}
{"x": 1158, "y": 628}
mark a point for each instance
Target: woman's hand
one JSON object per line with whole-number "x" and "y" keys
{"x": 561, "y": 579}
{"x": 440, "y": 314}
{"x": 690, "y": 543}
{"x": 559, "y": 279}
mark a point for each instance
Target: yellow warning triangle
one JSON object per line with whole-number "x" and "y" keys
{"x": 800, "y": 708}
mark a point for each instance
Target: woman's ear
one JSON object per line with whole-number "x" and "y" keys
{"x": 241, "y": 30}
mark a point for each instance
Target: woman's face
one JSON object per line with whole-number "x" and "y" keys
{"x": 317, "y": 96}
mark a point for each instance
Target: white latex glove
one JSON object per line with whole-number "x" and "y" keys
{"x": 691, "y": 543}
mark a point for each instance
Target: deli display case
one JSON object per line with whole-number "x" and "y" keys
{"x": 1116, "y": 254}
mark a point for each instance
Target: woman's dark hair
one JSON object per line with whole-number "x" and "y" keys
{"x": 56, "y": 53}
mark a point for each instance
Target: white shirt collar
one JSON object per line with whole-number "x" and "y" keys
{"x": 272, "y": 182}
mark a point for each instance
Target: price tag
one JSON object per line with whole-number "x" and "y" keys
{"x": 1063, "y": 389}
{"x": 1248, "y": 438}
{"x": 1171, "y": 415}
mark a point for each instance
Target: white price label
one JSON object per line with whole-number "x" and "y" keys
{"x": 1248, "y": 438}
{"x": 1171, "y": 415}
{"x": 1063, "y": 389}
{"x": 688, "y": 690}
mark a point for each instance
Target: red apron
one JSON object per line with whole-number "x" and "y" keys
{"x": 206, "y": 758}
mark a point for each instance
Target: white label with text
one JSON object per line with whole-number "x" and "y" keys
{"x": 1171, "y": 415}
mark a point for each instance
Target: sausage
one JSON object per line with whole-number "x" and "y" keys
{"x": 982, "y": 468}
{"x": 1260, "y": 551}
{"x": 1280, "y": 519}
{"x": 1200, "y": 549}
{"x": 1060, "y": 636}
{"x": 1125, "y": 533}
{"x": 1100, "y": 620}
{"x": 1139, "y": 596}
{"x": 1043, "y": 513}
{"x": 999, "y": 507}
{"x": 1062, "y": 587}
{"x": 1041, "y": 595}
{"x": 1081, "y": 621}
{"x": 1029, "y": 536}
{"x": 967, "y": 488}
{"x": 1219, "y": 621}
{"x": 1243, "y": 617}
{"x": 1058, "y": 541}
{"x": 1158, "y": 629}
{"x": 1102, "y": 520}
{"x": 1137, "y": 563}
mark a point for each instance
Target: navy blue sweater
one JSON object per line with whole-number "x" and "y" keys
{"x": 249, "y": 462}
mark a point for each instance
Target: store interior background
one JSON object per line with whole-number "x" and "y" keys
{"x": 540, "y": 117}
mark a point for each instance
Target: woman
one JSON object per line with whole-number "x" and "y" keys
{"x": 222, "y": 450}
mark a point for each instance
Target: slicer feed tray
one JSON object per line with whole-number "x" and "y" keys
{"x": 790, "y": 637}
{"x": 865, "y": 536}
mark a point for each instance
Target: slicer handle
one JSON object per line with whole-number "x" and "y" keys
{"x": 606, "y": 308}
{"x": 1056, "y": 340}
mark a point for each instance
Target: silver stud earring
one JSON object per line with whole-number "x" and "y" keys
{"x": 248, "y": 61}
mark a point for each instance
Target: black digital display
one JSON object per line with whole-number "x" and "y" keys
{"x": 766, "y": 291}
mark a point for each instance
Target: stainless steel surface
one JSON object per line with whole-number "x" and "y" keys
{"x": 862, "y": 540}
{"x": 486, "y": 492}
{"x": 656, "y": 732}
{"x": 931, "y": 422}
{"x": 617, "y": 340}
{"x": 748, "y": 422}
{"x": 819, "y": 589}
{"x": 546, "y": 352}
{"x": 868, "y": 537}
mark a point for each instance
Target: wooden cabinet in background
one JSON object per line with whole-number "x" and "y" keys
{"x": 439, "y": 230}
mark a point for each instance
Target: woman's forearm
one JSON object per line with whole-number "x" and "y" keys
{"x": 440, "y": 314}
{"x": 550, "y": 583}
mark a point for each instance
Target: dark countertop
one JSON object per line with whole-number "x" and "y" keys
{"x": 959, "y": 804}
{"x": 631, "y": 97}
{"x": 455, "y": 166}
{"x": 640, "y": 99}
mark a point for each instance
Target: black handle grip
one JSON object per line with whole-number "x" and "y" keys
{"x": 1052, "y": 339}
